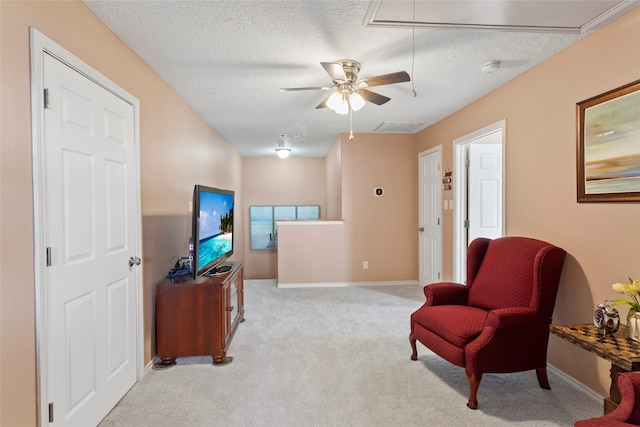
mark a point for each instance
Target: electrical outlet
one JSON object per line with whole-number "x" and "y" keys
{"x": 365, "y": 265}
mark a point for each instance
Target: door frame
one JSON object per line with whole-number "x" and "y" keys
{"x": 39, "y": 46}
{"x": 460, "y": 188}
{"x": 437, "y": 149}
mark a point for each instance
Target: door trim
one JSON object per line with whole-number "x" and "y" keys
{"x": 39, "y": 46}
{"x": 460, "y": 146}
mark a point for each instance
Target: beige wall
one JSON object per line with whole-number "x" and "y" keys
{"x": 178, "y": 150}
{"x": 383, "y": 230}
{"x": 602, "y": 239}
{"x": 380, "y": 230}
{"x": 333, "y": 164}
{"x": 275, "y": 181}
{"x": 313, "y": 253}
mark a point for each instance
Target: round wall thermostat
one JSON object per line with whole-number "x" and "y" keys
{"x": 379, "y": 191}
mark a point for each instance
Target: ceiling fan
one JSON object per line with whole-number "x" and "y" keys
{"x": 351, "y": 93}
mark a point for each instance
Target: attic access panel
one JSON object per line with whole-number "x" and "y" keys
{"x": 553, "y": 16}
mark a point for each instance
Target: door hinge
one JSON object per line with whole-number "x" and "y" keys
{"x": 51, "y": 412}
{"x": 48, "y": 256}
{"x": 466, "y": 223}
{"x": 438, "y": 221}
{"x": 438, "y": 275}
{"x": 467, "y": 162}
{"x": 46, "y": 99}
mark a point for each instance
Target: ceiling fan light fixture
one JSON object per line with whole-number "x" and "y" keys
{"x": 334, "y": 100}
{"x": 356, "y": 101}
{"x": 343, "y": 107}
{"x": 283, "y": 152}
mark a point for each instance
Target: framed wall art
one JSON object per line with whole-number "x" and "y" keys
{"x": 608, "y": 151}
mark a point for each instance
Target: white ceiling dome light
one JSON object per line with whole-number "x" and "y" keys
{"x": 282, "y": 151}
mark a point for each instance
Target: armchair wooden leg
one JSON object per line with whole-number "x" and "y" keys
{"x": 541, "y": 373}
{"x": 474, "y": 383}
{"x": 412, "y": 341}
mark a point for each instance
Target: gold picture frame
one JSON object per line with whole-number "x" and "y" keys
{"x": 608, "y": 150}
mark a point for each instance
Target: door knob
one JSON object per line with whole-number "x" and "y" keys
{"x": 134, "y": 261}
{"x": 421, "y": 229}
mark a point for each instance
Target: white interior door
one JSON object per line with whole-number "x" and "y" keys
{"x": 485, "y": 191}
{"x": 90, "y": 230}
{"x": 429, "y": 217}
{"x": 479, "y": 182}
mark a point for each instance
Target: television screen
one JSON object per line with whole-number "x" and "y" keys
{"x": 212, "y": 228}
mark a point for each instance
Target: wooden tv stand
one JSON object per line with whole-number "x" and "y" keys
{"x": 199, "y": 317}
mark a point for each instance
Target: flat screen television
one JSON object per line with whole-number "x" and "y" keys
{"x": 212, "y": 229}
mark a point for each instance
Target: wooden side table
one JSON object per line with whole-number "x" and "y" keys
{"x": 621, "y": 351}
{"x": 199, "y": 317}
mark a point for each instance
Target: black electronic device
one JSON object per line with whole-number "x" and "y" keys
{"x": 220, "y": 269}
{"x": 212, "y": 228}
{"x": 224, "y": 268}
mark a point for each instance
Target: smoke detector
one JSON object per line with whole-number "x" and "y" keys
{"x": 490, "y": 67}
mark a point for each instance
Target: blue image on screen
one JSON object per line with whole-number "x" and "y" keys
{"x": 215, "y": 227}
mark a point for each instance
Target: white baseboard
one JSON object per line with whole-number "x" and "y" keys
{"x": 149, "y": 365}
{"x": 576, "y": 384}
{"x": 261, "y": 281}
{"x": 347, "y": 284}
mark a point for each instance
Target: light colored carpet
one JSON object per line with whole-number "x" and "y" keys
{"x": 338, "y": 357}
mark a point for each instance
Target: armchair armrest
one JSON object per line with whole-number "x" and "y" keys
{"x": 629, "y": 408}
{"x": 512, "y": 317}
{"x": 446, "y": 293}
{"x": 628, "y": 412}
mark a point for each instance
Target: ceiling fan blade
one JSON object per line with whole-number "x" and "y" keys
{"x": 290, "y": 89}
{"x": 323, "y": 104}
{"x": 334, "y": 70}
{"x": 373, "y": 97}
{"x": 385, "y": 79}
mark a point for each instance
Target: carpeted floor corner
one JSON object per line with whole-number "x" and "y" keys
{"x": 338, "y": 357}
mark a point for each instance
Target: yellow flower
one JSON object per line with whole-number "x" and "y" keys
{"x": 633, "y": 290}
{"x": 618, "y": 287}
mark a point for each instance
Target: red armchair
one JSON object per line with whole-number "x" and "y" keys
{"x": 499, "y": 321}
{"x": 628, "y": 411}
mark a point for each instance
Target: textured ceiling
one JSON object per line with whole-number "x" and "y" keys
{"x": 228, "y": 59}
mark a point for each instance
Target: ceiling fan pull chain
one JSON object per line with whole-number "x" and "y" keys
{"x": 350, "y": 123}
